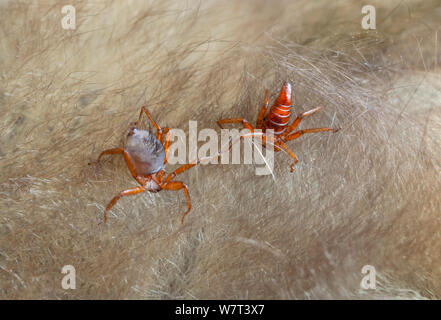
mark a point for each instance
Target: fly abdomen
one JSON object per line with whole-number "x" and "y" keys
{"x": 280, "y": 112}
{"x": 145, "y": 151}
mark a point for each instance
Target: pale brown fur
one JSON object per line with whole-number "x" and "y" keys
{"x": 367, "y": 195}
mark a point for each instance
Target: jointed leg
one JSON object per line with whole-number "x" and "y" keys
{"x": 283, "y": 146}
{"x": 158, "y": 128}
{"x": 244, "y": 122}
{"x": 167, "y": 144}
{"x": 128, "y": 192}
{"x": 297, "y": 120}
{"x": 178, "y": 185}
{"x": 248, "y": 135}
{"x": 262, "y": 111}
{"x": 126, "y": 158}
{"x": 187, "y": 166}
{"x": 297, "y": 134}
{"x": 130, "y": 166}
{"x": 179, "y": 170}
{"x": 164, "y": 133}
{"x": 110, "y": 151}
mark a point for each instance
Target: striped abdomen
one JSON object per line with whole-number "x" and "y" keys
{"x": 279, "y": 114}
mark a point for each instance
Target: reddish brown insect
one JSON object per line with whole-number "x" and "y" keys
{"x": 277, "y": 120}
{"x": 146, "y": 155}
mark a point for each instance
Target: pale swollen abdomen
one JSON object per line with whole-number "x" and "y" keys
{"x": 145, "y": 151}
